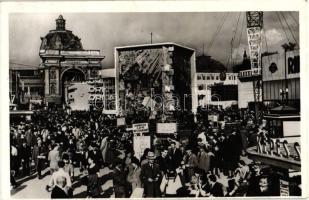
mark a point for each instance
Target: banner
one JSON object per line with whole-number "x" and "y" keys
{"x": 121, "y": 121}
{"x": 140, "y": 143}
{"x": 166, "y": 128}
{"x": 140, "y": 128}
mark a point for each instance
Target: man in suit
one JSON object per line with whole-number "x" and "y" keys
{"x": 151, "y": 177}
{"x": 119, "y": 180}
{"x": 216, "y": 188}
{"x": 175, "y": 156}
{"x": 190, "y": 161}
{"x": 25, "y": 155}
{"x": 163, "y": 161}
{"x": 39, "y": 156}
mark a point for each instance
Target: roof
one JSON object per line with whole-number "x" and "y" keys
{"x": 205, "y": 64}
{"x": 19, "y": 66}
{"x": 60, "y": 38}
{"x": 155, "y": 45}
{"x": 284, "y": 110}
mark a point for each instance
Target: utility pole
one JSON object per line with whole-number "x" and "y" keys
{"x": 150, "y": 37}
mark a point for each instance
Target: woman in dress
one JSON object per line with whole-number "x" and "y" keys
{"x": 133, "y": 178}
{"x": 93, "y": 188}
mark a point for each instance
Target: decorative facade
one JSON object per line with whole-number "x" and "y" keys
{"x": 63, "y": 60}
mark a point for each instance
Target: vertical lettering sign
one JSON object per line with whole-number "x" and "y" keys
{"x": 293, "y": 62}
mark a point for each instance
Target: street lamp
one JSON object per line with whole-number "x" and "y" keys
{"x": 284, "y": 95}
{"x": 287, "y": 47}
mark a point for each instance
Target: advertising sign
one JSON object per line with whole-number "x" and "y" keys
{"x": 166, "y": 128}
{"x": 140, "y": 128}
{"x": 291, "y": 128}
{"x": 284, "y": 188}
{"x": 121, "y": 121}
{"x": 140, "y": 143}
{"x": 274, "y": 65}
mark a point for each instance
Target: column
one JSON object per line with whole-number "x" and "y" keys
{"x": 57, "y": 82}
{"x": 46, "y": 81}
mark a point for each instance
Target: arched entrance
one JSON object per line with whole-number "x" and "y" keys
{"x": 70, "y": 76}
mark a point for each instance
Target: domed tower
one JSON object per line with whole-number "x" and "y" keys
{"x": 60, "y": 38}
{"x": 63, "y": 60}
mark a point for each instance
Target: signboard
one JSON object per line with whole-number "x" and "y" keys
{"x": 213, "y": 118}
{"x": 291, "y": 128}
{"x": 273, "y": 65}
{"x": 284, "y": 188}
{"x": 121, "y": 121}
{"x": 140, "y": 128}
{"x": 166, "y": 128}
{"x": 140, "y": 143}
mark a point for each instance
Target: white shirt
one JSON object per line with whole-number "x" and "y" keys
{"x": 173, "y": 185}
{"x": 14, "y": 151}
{"x": 57, "y": 174}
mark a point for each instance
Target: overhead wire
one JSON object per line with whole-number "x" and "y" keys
{"x": 234, "y": 37}
{"x": 215, "y": 33}
{"x": 289, "y": 29}
{"x": 286, "y": 35}
{"x": 208, "y": 43}
{"x": 266, "y": 44}
{"x": 242, "y": 29}
{"x": 230, "y": 57}
{"x": 293, "y": 17}
{"x": 218, "y": 31}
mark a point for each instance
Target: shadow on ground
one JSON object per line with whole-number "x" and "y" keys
{"x": 18, "y": 189}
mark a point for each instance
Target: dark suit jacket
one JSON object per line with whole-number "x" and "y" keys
{"x": 151, "y": 189}
{"x": 176, "y": 158}
{"x": 217, "y": 190}
{"x": 163, "y": 163}
{"x": 58, "y": 193}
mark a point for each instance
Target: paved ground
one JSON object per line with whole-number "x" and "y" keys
{"x": 32, "y": 187}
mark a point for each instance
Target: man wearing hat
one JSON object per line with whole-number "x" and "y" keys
{"x": 25, "y": 155}
{"x": 151, "y": 177}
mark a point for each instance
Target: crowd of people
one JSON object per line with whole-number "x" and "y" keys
{"x": 208, "y": 162}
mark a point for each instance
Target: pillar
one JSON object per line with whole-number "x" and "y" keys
{"x": 57, "y": 82}
{"x": 46, "y": 82}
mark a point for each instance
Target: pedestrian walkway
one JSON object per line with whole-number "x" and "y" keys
{"x": 32, "y": 187}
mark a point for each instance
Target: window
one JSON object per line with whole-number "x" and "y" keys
{"x": 198, "y": 77}
{"x": 212, "y": 77}
{"x": 217, "y": 77}
{"x": 203, "y": 77}
{"x": 208, "y": 78}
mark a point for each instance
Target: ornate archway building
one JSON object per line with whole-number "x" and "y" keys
{"x": 62, "y": 52}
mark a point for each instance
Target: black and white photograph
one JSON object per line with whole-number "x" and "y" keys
{"x": 154, "y": 104}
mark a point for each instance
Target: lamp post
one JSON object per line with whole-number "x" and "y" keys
{"x": 284, "y": 92}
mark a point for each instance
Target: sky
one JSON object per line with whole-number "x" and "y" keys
{"x": 104, "y": 31}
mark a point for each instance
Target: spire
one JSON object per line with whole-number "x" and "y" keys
{"x": 203, "y": 49}
{"x": 60, "y": 23}
{"x": 245, "y": 55}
